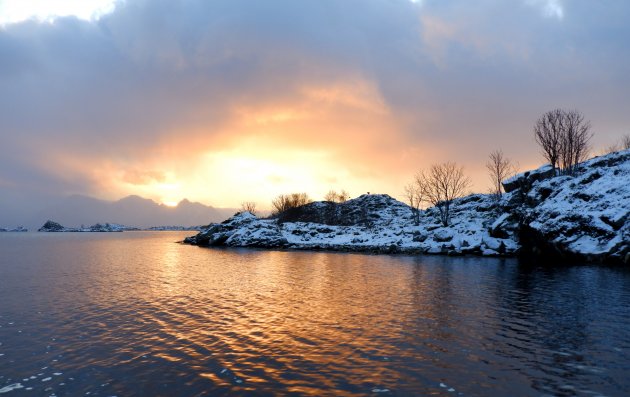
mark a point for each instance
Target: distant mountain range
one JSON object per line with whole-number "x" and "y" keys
{"x": 134, "y": 211}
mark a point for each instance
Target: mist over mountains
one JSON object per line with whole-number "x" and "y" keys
{"x": 134, "y": 210}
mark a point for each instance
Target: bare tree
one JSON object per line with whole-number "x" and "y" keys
{"x": 331, "y": 196}
{"x": 575, "y": 141}
{"x": 285, "y": 202}
{"x": 611, "y": 149}
{"x": 564, "y": 138}
{"x": 249, "y": 206}
{"x": 499, "y": 168}
{"x": 335, "y": 197}
{"x": 343, "y": 196}
{"x": 548, "y": 132}
{"x": 415, "y": 195}
{"x": 623, "y": 144}
{"x": 444, "y": 183}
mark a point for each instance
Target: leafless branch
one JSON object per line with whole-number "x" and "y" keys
{"x": 287, "y": 201}
{"x": 415, "y": 194}
{"x": 444, "y": 183}
{"x": 564, "y": 138}
{"x": 249, "y": 206}
{"x": 499, "y": 168}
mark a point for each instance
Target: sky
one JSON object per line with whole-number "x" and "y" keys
{"x": 225, "y": 101}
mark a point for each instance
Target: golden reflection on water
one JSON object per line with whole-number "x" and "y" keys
{"x": 248, "y": 319}
{"x": 262, "y": 316}
{"x": 170, "y": 266}
{"x": 184, "y": 320}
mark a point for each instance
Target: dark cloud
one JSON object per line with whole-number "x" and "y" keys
{"x": 454, "y": 78}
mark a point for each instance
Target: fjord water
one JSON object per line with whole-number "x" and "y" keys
{"x": 135, "y": 313}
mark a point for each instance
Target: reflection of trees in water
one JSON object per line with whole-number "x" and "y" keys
{"x": 553, "y": 320}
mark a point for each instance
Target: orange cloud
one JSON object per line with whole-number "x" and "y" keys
{"x": 138, "y": 177}
{"x": 222, "y": 102}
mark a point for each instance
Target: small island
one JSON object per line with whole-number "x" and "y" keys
{"x": 581, "y": 217}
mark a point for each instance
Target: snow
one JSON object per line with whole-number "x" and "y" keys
{"x": 389, "y": 229}
{"x": 533, "y": 174}
{"x": 586, "y": 215}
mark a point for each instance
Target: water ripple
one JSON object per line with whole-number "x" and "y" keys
{"x": 137, "y": 314}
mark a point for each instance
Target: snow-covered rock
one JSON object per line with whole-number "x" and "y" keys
{"x": 524, "y": 180}
{"x": 242, "y": 230}
{"x": 370, "y": 223}
{"x": 583, "y": 217}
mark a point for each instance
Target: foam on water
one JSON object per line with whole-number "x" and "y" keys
{"x": 11, "y": 387}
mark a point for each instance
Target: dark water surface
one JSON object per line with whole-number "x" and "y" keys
{"x": 136, "y": 314}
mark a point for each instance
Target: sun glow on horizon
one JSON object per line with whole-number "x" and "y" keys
{"x": 331, "y": 136}
{"x": 228, "y": 178}
{"x": 241, "y": 176}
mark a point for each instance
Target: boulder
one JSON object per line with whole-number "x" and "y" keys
{"x": 525, "y": 180}
{"x": 442, "y": 235}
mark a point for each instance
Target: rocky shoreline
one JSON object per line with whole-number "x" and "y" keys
{"x": 581, "y": 218}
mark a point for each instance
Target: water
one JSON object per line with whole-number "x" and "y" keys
{"x": 136, "y": 314}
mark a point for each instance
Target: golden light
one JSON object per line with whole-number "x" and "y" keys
{"x": 332, "y": 136}
{"x": 244, "y": 175}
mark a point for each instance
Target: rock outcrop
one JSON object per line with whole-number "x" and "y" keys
{"x": 582, "y": 217}
{"x": 369, "y": 223}
{"x": 558, "y": 217}
{"x": 242, "y": 230}
{"x": 51, "y": 226}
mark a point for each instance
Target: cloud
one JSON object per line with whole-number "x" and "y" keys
{"x": 163, "y": 92}
{"x": 12, "y": 11}
{"x": 137, "y": 177}
{"x": 550, "y": 8}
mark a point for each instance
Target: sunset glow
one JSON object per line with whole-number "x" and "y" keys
{"x": 222, "y": 102}
{"x": 314, "y": 197}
